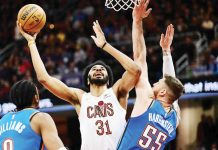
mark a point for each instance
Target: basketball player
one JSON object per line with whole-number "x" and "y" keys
{"x": 27, "y": 128}
{"x": 154, "y": 118}
{"x": 101, "y": 111}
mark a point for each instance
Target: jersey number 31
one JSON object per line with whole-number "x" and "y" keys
{"x": 103, "y": 127}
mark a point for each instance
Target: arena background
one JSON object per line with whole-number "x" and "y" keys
{"x": 66, "y": 48}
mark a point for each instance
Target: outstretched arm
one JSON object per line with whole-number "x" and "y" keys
{"x": 168, "y": 67}
{"x": 165, "y": 43}
{"x": 133, "y": 71}
{"x": 128, "y": 64}
{"x": 144, "y": 92}
{"x": 54, "y": 85}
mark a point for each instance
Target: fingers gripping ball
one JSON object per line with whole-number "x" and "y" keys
{"x": 32, "y": 18}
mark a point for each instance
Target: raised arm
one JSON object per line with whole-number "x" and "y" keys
{"x": 139, "y": 48}
{"x": 168, "y": 67}
{"x": 54, "y": 85}
{"x": 144, "y": 92}
{"x": 128, "y": 64}
{"x": 165, "y": 43}
{"x": 133, "y": 71}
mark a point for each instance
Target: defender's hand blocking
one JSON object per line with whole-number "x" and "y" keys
{"x": 27, "y": 36}
{"x": 166, "y": 40}
{"x": 99, "y": 39}
{"x": 140, "y": 11}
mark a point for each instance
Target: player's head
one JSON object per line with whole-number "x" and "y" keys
{"x": 24, "y": 94}
{"x": 98, "y": 73}
{"x": 168, "y": 86}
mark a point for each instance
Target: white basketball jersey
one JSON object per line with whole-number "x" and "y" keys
{"x": 102, "y": 121}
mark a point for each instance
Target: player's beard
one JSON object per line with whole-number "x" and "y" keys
{"x": 98, "y": 82}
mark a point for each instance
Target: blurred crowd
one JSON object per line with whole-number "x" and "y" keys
{"x": 66, "y": 47}
{"x": 207, "y": 134}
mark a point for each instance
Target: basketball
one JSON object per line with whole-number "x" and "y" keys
{"x": 32, "y": 18}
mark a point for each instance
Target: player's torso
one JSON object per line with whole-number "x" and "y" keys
{"x": 102, "y": 121}
{"x": 151, "y": 130}
{"x": 16, "y": 132}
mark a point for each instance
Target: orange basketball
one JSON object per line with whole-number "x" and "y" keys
{"x": 32, "y": 18}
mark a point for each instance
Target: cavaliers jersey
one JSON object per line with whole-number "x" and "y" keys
{"x": 16, "y": 132}
{"x": 150, "y": 131}
{"x": 102, "y": 121}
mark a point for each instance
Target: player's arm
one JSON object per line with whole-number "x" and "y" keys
{"x": 130, "y": 77}
{"x": 165, "y": 43}
{"x": 168, "y": 67}
{"x": 43, "y": 124}
{"x": 54, "y": 85}
{"x": 144, "y": 91}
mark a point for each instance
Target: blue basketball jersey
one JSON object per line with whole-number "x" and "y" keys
{"x": 16, "y": 132}
{"x": 150, "y": 131}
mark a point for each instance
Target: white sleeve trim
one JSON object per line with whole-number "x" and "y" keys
{"x": 168, "y": 67}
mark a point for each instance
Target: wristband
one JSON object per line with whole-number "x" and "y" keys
{"x": 166, "y": 53}
{"x": 104, "y": 45}
{"x": 31, "y": 42}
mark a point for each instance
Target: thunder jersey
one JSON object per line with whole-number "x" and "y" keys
{"x": 102, "y": 121}
{"x": 16, "y": 132}
{"x": 150, "y": 131}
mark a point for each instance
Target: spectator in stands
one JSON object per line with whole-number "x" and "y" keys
{"x": 201, "y": 131}
{"x": 208, "y": 27}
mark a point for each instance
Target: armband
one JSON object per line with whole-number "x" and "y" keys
{"x": 166, "y": 53}
{"x": 31, "y": 42}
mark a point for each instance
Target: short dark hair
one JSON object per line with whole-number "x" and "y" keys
{"x": 175, "y": 86}
{"x": 99, "y": 62}
{"x": 22, "y": 93}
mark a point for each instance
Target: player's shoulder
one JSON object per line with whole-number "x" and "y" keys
{"x": 41, "y": 120}
{"x": 116, "y": 85}
{"x": 42, "y": 114}
{"x": 78, "y": 91}
{"x": 77, "y": 95}
{"x": 41, "y": 117}
{"x": 118, "y": 91}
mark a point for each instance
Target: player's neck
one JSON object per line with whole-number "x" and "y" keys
{"x": 164, "y": 101}
{"x": 96, "y": 90}
{"x": 166, "y": 105}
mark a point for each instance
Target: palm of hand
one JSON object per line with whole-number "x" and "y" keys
{"x": 137, "y": 14}
{"x": 140, "y": 11}
{"x": 165, "y": 43}
{"x": 100, "y": 38}
{"x": 100, "y": 41}
{"x": 27, "y": 36}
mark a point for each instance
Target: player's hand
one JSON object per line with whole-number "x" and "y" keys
{"x": 27, "y": 36}
{"x": 166, "y": 40}
{"x": 99, "y": 37}
{"x": 140, "y": 11}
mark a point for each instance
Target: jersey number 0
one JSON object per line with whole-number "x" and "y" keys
{"x": 8, "y": 144}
